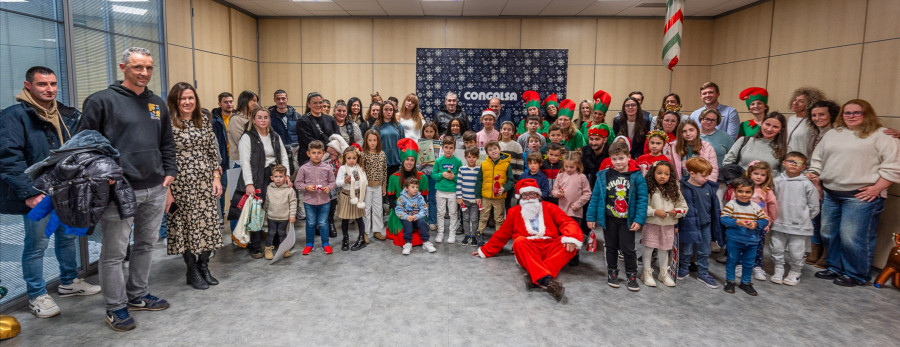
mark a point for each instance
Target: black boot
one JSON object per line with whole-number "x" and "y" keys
{"x": 332, "y": 232}
{"x": 360, "y": 243}
{"x": 203, "y": 268}
{"x": 575, "y": 261}
{"x": 345, "y": 244}
{"x": 193, "y": 277}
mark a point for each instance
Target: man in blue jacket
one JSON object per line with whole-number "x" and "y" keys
{"x": 29, "y": 130}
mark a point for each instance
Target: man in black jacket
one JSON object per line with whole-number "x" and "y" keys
{"x": 30, "y": 130}
{"x": 137, "y": 124}
{"x": 449, "y": 111}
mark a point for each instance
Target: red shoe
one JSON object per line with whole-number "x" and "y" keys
{"x": 306, "y": 250}
{"x": 327, "y": 249}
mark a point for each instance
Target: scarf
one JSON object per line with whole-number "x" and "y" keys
{"x": 50, "y": 115}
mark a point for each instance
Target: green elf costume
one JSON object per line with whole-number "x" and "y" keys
{"x": 751, "y": 127}
{"x": 601, "y": 103}
{"x": 532, "y": 99}
{"x": 577, "y": 140}
{"x": 408, "y": 148}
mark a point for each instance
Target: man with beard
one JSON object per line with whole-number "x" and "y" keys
{"x": 544, "y": 238}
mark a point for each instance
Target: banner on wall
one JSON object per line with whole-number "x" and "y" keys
{"x": 478, "y": 75}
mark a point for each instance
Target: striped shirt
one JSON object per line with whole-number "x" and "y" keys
{"x": 465, "y": 182}
{"x": 752, "y": 212}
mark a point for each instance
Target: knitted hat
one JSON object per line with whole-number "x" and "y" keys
{"x": 754, "y": 93}
{"x": 488, "y": 112}
{"x": 566, "y": 108}
{"x": 337, "y": 142}
{"x": 601, "y": 101}
{"x": 408, "y": 148}
{"x": 532, "y": 99}
{"x": 627, "y": 141}
{"x": 527, "y": 185}
{"x": 551, "y": 100}
{"x": 602, "y": 130}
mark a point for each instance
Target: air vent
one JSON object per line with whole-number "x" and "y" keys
{"x": 652, "y": 5}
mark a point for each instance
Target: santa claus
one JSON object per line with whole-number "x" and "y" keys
{"x": 544, "y": 238}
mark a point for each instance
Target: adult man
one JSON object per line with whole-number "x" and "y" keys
{"x": 221, "y": 115}
{"x": 503, "y": 115}
{"x": 544, "y": 238}
{"x": 137, "y": 124}
{"x": 284, "y": 118}
{"x": 730, "y": 123}
{"x": 449, "y": 111}
{"x": 639, "y": 96}
{"x": 30, "y": 130}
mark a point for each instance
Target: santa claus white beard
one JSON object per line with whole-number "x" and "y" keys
{"x": 530, "y": 208}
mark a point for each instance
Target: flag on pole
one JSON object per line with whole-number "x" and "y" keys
{"x": 672, "y": 37}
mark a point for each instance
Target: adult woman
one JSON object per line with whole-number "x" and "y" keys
{"x": 355, "y": 110}
{"x": 584, "y": 113}
{"x": 313, "y": 125}
{"x": 408, "y": 151}
{"x": 855, "y": 163}
{"x": 768, "y": 145}
{"x": 390, "y": 132}
{"x": 719, "y": 140}
{"x": 689, "y": 145}
{"x": 410, "y": 118}
{"x": 551, "y": 108}
{"x": 671, "y": 103}
{"x": 598, "y": 113}
{"x": 348, "y": 129}
{"x": 532, "y": 108}
{"x": 633, "y": 125}
{"x": 572, "y": 138}
{"x": 757, "y": 100}
{"x": 260, "y": 149}
{"x": 668, "y": 123}
{"x": 238, "y": 121}
{"x": 194, "y": 229}
{"x": 821, "y": 116}
{"x": 371, "y": 116}
{"x": 798, "y": 129}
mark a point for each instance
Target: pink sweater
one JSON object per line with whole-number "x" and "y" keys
{"x": 482, "y": 137}
{"x": 767, "y": 201}
{"x": 577, "y": 193}
{"x": 706, "y": 152}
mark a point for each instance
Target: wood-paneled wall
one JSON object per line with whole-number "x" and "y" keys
{"x": 221, "y": 55}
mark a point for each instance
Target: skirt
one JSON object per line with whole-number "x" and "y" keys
{"x": 658, "y": 236}
{"x": 346, "y": 210}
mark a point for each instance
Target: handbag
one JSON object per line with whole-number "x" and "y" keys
{"x": 730, "y": 172}
{"x": 256, "y": 215}
{"x": 239, "y": 235}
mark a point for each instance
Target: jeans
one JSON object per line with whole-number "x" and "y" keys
{"x": 817, "y": 229}
{"x": 619, "y": 238}
{"x": 316, "y": 215}
{"x": 224, "y": 181}
{"x": 432, "y": 201}
{"x": 743, "y": 252}
{"x": 33, "y": 256}
{"x": 849, "y": 234}
{"x": 116, "y": 231}
{"x": 163, "y": 227}
{"x": 702, "y": 250}
{"x": 470, "y": 218}
{"x": 408, "y": 227}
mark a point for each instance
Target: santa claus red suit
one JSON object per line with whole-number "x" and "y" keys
{"x": 539, "y": 231}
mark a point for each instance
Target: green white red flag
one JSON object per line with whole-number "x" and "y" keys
{"x": 672, "y": 38}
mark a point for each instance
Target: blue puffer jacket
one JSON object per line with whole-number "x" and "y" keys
{"x": 26, "y": 139}
{"x": 690, "y": 225}
{"x": 637, "y": 200}
{"x": 218, "y": 124}
{"x": 287, "y": 132}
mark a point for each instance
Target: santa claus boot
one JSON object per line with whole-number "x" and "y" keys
{"x": 556, "y": 290}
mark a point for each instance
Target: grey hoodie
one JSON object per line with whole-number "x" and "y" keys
{"x": 798, "y": 204}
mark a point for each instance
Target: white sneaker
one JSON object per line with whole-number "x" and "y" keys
{"x": 440, "y": 236}
{"x": 759, "y": 274}
{"x": 738, "y": 270}
{"x": 432, "y": 227}
{"x": 778, "y": 275}
{"x": 428, "y": 246}
{"x": 43, "y": 306}
{"x": 78, "y": 287}
{"x": 407, "y": 247}
{"x": 451, "y": 238}
{"x": 792, "y": 278}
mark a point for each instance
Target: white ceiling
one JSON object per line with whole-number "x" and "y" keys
{"x": 479, "y": 8}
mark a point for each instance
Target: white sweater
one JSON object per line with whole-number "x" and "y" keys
{"x": 845, "y": 162}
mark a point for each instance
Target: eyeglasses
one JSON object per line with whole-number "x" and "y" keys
{"x": 794, "y": 162}
{"x": 853, "y": 113}
{"x": 708, "y": 120}
{"x": 630, "y": 105}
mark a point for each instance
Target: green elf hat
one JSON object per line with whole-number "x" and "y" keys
{"x": 755, "y": 93}
{"x": 601, "y": 101}
{"x": 408, "y": 148}
{"x": 551, "y": 100}
{"x": 566, "y": 108}
{"x": 602, "y": 130}
{"x": 532, "y": 99}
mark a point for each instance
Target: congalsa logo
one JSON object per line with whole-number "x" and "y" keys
{"x": 485, "y": 96}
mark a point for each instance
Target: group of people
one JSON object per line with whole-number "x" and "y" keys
{"x": 698, "y": 182}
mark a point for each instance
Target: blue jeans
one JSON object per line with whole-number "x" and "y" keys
{"x": 316, "y": 215}
{"x": 408, "y": 229}
{"x": 743, "y": 252}
{"x": 702, "y": 250}
{"x": 817, "y": 228}
{"x": 164, "y": 227}
{"x": 849, "y": 234}
{"x": 432, "y": 203}
{"x": 33, "y": 256}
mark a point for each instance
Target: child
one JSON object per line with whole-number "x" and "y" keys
{"x": 666, "y": 206}
{"x": 352, "y": 179}
{"x": 333, "y": 151}
{"x": 552, "y": 166}
{"x": 411, "y": 208}
{"x": 619, "y": 206}
{"x": 317, "y": 180}
{"x": 632, "y": 165}
{"x": 656, "y": 140}
{"x": 512, "y": 148}
{"x": 532, "y": 109}
{"x": 760, "y": 173}
{"x": 470, "y": 139}
{"x": 281, "y": 208}
{"x": 374, "y": 164}
{"x": 494, "y": 180}
{"x": 798, "y": 204}
{"x": 455, "y": 129}
{"x": 554, "y": 135}
{"x": 426, "y": 163}
{"x": 533, "y": 122}
{"x": 744, "y": 224}
{"x": 488, "y": 134}
{"x": 534, "y": 145}
{"x": 573, "y": 191}
{"x": 535, "y": 160}
{"x": 444, "y": 176}
{"x": 465, "y": 195}
{"x": 699, "y": 227}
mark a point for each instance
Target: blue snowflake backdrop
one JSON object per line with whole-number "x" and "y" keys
{"x": 477, "y": 75}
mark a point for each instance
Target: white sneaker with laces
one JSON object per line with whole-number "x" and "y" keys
{"x": 78, "y": 287}
{"x": 778, "y": 275}
{"x": 759, "y": 274}
{"x": 440, "y": 237}
{"x": 407, "y": 247}
{"x": 428, "y": 246}
{"x": 451, "y": 238}
{"x": 793, "y": 277}
{"x": 43, "y": 306}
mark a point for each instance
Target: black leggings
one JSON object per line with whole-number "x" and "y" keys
{"x": 619, "y": 238}
{"x": 345, "y": 227}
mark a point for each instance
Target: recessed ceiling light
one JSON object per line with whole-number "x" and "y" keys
{"x": 129, "y": 10}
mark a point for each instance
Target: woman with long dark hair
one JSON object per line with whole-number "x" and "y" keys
{"x": 238, "y": 121}
{"x": 313, "y": 125}
{"x": 633, "y": 124}
{"x": 768, "y": 145}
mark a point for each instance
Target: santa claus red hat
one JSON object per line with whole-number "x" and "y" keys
{"x": 527, "y": 185}
{"x": 627, "y": 140}
{"x": 488, "y": 112}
